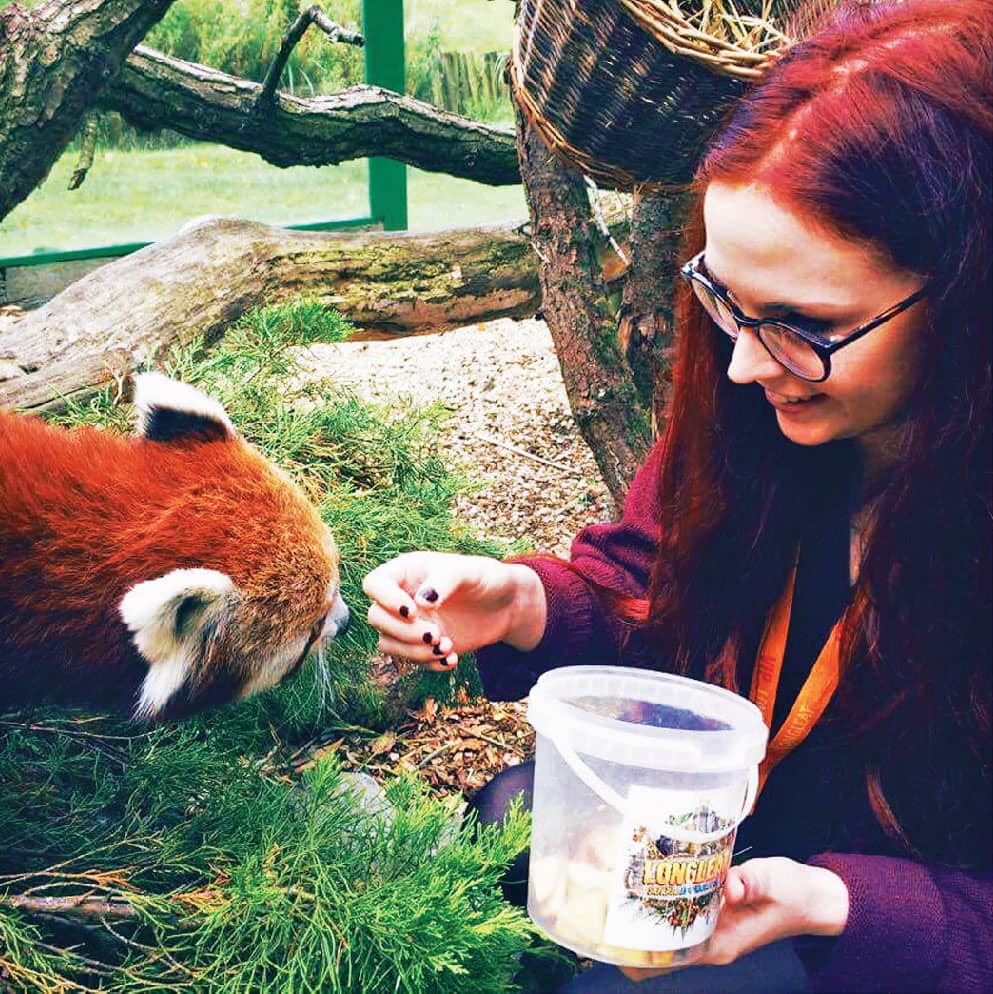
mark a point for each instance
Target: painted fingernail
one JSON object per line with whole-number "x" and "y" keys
{"x": 404, "y": 611}
{"x": 428, "y": 638}
{"x": 429, "y": 594}
{"x": 437, "y": 651}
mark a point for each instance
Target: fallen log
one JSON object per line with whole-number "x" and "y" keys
{"x": 202, "y": 279}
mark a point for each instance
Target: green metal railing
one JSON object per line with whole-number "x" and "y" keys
{"x": 382, "y": 28}
{"x": 382, "y": 22}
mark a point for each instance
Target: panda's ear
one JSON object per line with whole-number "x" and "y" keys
{"x": 170, "y": 411}
{"x": 170, "y": 619}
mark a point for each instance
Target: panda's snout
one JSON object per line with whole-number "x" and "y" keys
{"x": 337, "y": 618}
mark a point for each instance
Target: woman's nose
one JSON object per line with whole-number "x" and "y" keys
{"x": 750, "y": 361}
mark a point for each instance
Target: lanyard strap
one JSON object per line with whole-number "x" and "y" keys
{"x": 815, "y": 694}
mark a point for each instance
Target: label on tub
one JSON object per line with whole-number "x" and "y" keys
{"x": 666, "y": 894}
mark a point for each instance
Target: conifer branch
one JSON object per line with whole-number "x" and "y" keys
{"x": 84, "y": 906}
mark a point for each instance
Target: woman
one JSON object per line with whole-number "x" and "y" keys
{"x": 840, "y": 278}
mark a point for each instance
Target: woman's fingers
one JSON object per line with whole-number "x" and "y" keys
{"x": 415, "y": 641}
{"x": 734, "y": 886}
{"x": 441, "y": 663}
{"x": 411, "y": 629}
{"x": 385, "y": 586}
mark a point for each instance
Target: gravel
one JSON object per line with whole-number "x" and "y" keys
{"x": 511, "y": 428}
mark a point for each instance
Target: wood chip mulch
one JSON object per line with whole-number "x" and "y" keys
{"x": 455, "y": 749}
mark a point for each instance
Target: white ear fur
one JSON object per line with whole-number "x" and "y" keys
{"x": 154, "y": 392}
{"x": 151, "y": 612}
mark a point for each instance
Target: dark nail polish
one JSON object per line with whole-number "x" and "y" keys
{"x": 404, "y": 611}
{"x": 430, "y": 595}
{"x": 428, "y": 638}
{"x": 437, "y": 651}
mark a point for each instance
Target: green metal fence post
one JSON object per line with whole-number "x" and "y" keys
{"x": 382, "y": 26}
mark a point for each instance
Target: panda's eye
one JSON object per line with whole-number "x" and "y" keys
{"x": 316, "y": 630}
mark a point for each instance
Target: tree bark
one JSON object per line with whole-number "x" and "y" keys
{"x": 645, "y": 330}
{"x": 156, "y": 91}
{"x": 200, "y": 280}
{"x": 609, "y": 413}
{"x": 54, "y": 62}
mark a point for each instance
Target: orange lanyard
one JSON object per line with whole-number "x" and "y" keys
{"x": 815, "y": 694}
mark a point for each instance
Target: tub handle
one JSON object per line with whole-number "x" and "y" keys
{"x": 607, "y": 793}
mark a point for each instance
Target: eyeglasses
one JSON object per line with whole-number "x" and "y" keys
{"x": 805, "y": 352}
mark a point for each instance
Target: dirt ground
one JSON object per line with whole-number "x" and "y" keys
{"x": 511, "y": 427}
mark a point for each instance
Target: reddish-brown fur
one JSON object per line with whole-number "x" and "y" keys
{"x": 86, "y": 515}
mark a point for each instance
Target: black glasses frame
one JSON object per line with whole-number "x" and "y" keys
{"x": 822, "y": 347}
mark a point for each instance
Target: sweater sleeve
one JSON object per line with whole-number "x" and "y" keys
{"x": 911, "y": 928}
{"x": 579, "y": 629}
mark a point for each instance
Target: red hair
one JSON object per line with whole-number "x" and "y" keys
{"x": 878, "y": 127}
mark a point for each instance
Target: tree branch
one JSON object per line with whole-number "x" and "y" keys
{"x": 312, "y": 15}
{"x": 157, "y": 91}
{"x": 127, "y": 312}
{"x": 82, "y": 906}
{"x": 87, "y": 147}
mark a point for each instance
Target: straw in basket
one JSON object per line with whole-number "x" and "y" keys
{"x": 629, "y": 91}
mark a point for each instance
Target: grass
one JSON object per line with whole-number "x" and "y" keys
{"x": 250, "y": 873}
{"x": 148, "y": 195}
{"x": 470, "y": 26}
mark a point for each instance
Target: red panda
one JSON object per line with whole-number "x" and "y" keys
{"x": 160, "y": 574}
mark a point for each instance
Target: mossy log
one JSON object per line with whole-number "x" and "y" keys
{"x": 197, "y": 282}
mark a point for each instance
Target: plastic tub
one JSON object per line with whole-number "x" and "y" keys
{"x": 641, "y": 781}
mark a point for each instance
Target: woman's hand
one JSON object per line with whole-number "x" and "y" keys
{"x": 432, "y": 606}
{"x": 766, "y": 900}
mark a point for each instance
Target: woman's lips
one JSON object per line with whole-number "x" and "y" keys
{"x": 794, "y": 406}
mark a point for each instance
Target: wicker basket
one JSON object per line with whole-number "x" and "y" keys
{"x": 629, "y": 91}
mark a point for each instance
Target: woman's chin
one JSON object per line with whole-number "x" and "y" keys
{"x": 804, "y": 433}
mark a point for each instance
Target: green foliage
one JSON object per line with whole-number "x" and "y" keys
{"x": 424, "y": 61}
{"x": 245, "y": 876}
{"x": 243, "y": 37}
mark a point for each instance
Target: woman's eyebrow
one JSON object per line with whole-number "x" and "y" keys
{"x": 811, "y": 311}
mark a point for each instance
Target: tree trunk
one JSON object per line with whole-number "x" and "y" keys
{"x": 610, "y": 414}
{"x": 54, "y": 62}
{"x": 203, "y": 278}
{"x": 645, "y": 330}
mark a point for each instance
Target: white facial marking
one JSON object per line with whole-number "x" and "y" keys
{"x": 337, "y": 617}
{"x": 162, "y": 681}
{"x": 274, "y": 668}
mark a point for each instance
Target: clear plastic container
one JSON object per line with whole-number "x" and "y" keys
{"x": 641, "y": 780}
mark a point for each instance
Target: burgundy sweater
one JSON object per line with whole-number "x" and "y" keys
{"x": 912, "y": 927}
